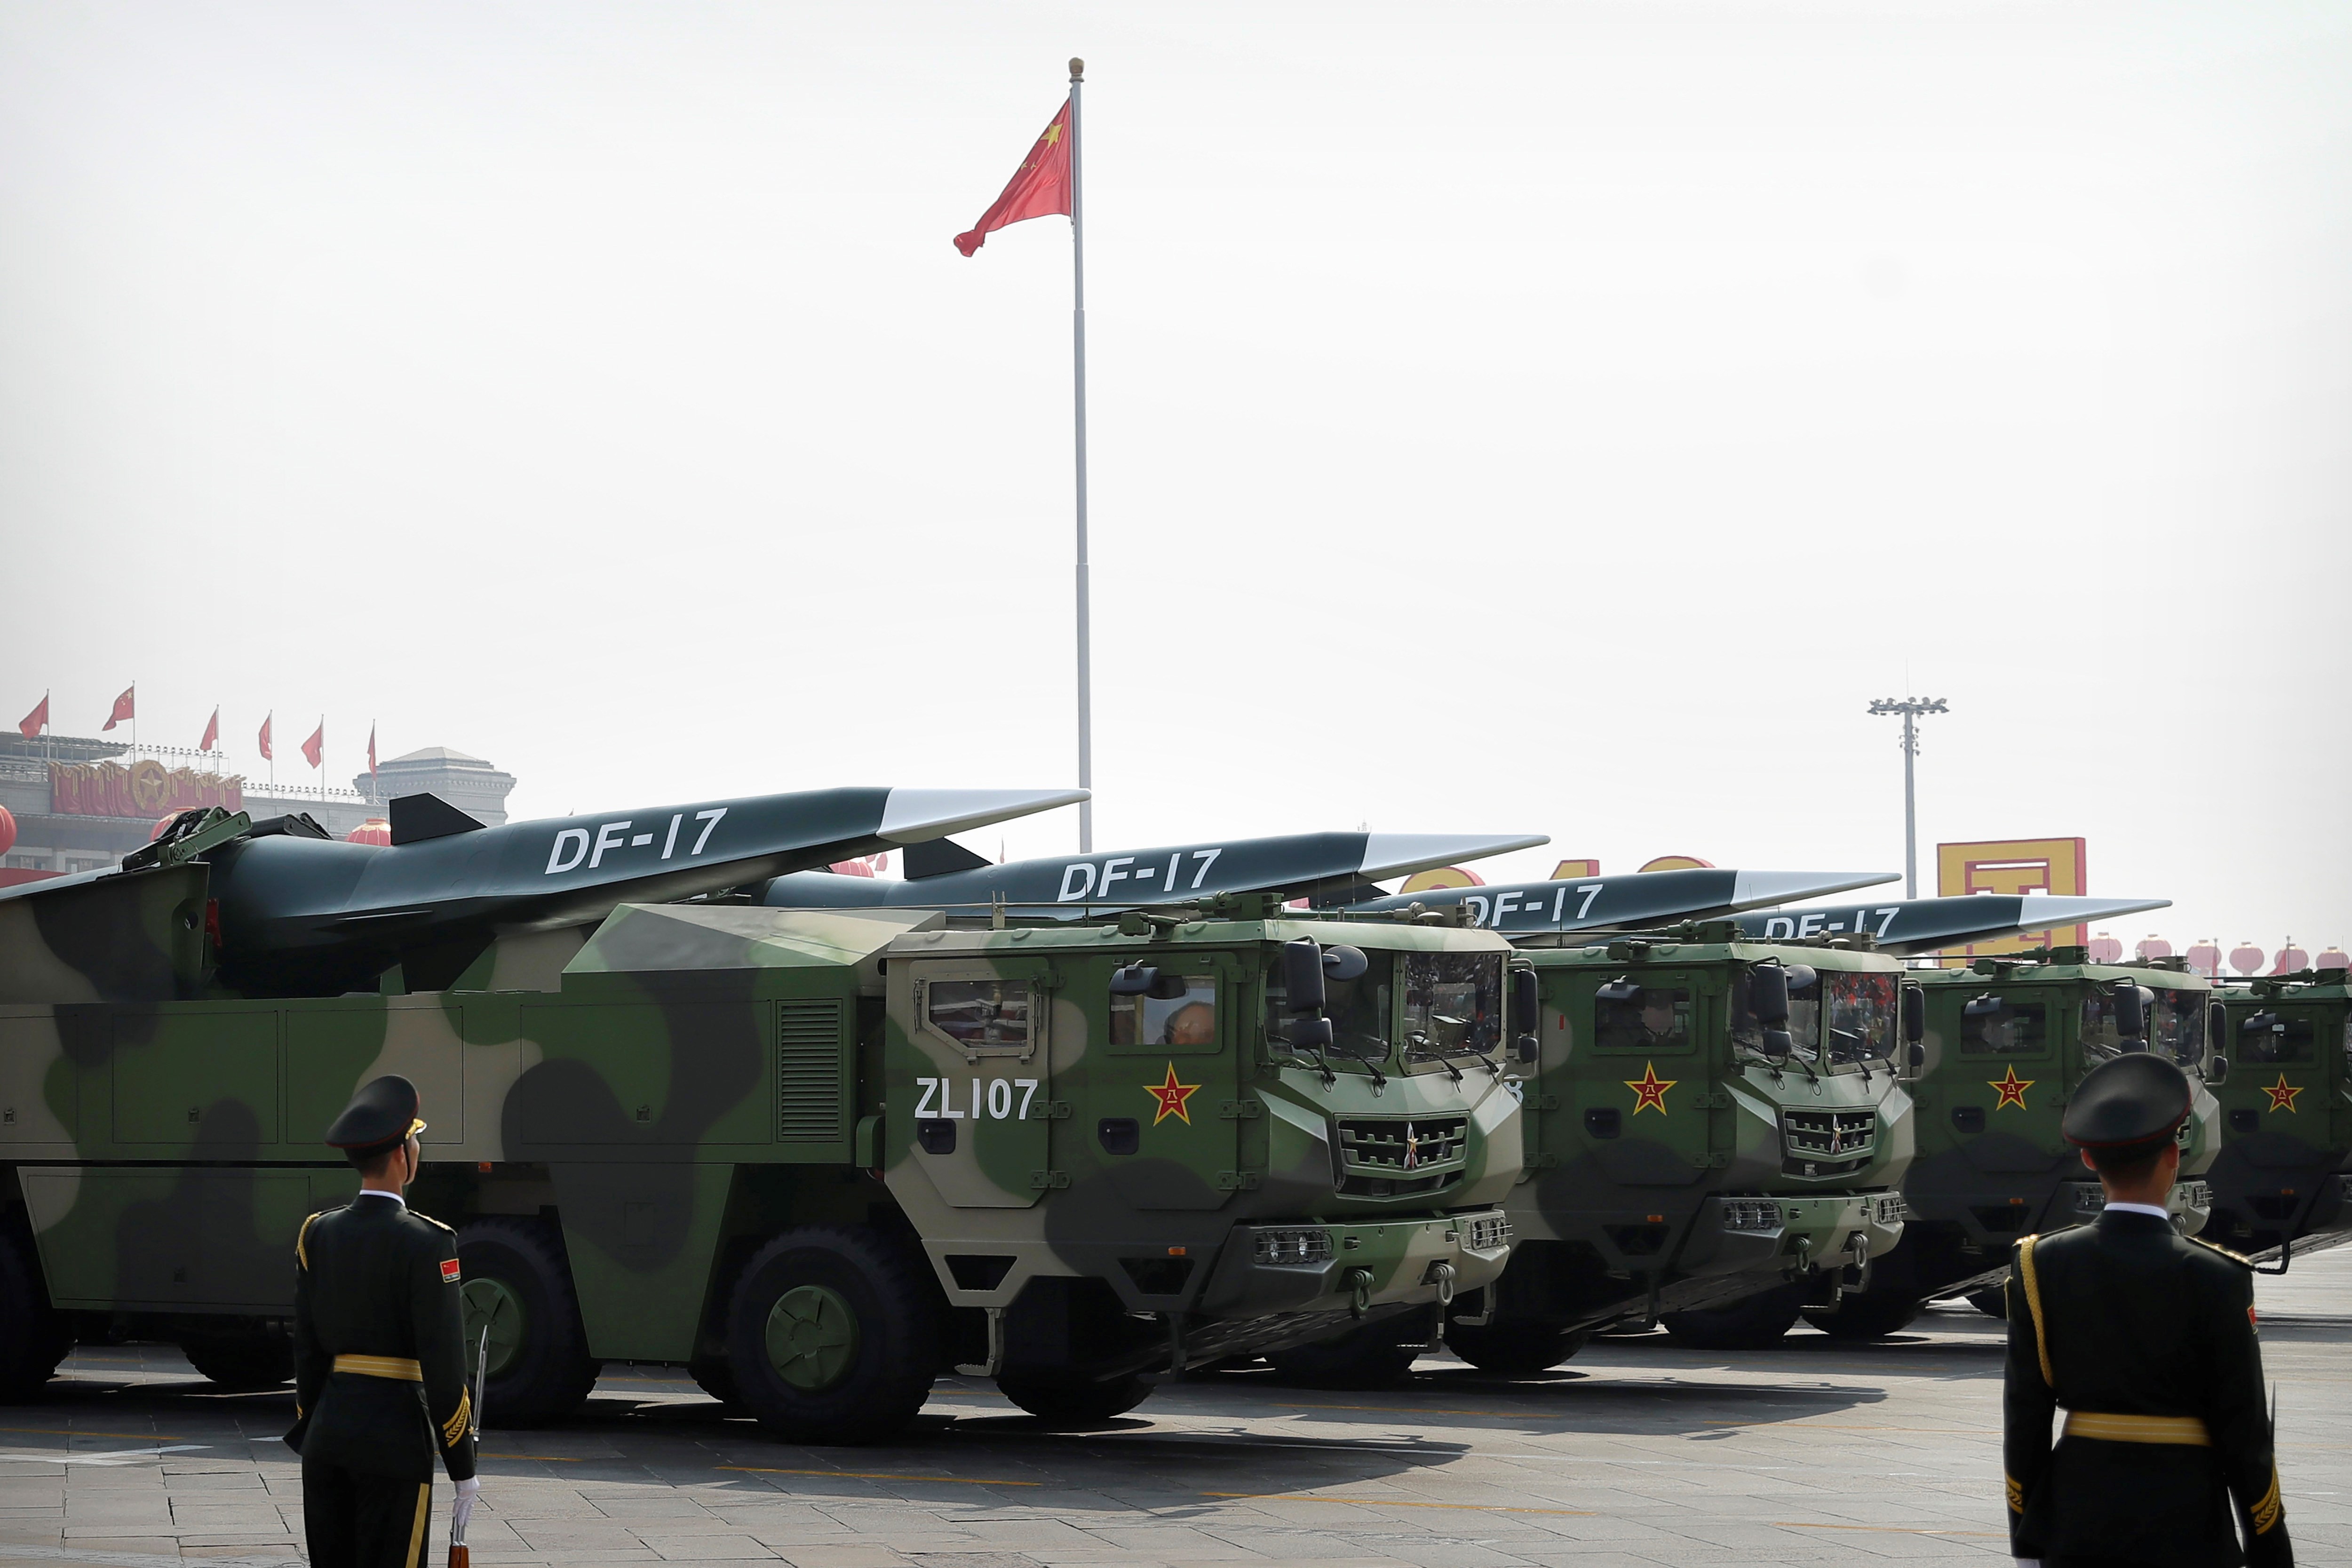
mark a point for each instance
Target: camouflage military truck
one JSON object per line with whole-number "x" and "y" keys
{"x": 1714, "y": 1136}
{"x": 2281, "y": 1184}
{"x": 2005, "y": 1042}
{"x": 818, "y": 1157}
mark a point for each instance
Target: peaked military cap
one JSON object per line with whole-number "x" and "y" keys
{"x": 2136, "y": 1099}
{"x": 383, "y": 1111}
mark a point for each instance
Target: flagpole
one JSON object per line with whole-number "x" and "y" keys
{"x": 1078, "y": 403}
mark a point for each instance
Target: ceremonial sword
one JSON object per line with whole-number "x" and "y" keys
{"x": 459, "y": 1555}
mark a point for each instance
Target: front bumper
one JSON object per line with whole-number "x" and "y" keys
{"x": 1826, "y": 1230}
{"x": 1352, "y": 1267}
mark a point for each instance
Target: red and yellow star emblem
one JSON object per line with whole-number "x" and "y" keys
{"x": 2010, "y": 1088}
{"x": 1649, "y": 1090}
{"x": 1172, "y": 1096}
{"x": 2282, "y": 1094}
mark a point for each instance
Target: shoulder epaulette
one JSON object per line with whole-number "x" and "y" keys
{"x": 2239, "y": 1257}
{"x": 428, "y": 1219}
{"x": 302, "y": 1239}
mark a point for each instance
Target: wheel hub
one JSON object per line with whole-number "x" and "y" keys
{"x": 488, "y": 1303}
{"x": 811, "y": 1338}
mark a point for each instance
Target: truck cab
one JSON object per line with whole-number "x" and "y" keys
{"x": 2281, "y": 1184}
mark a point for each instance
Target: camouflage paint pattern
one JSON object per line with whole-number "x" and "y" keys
{"x": 1649, "y": 1163}
{"x": 2285, "y": 1171}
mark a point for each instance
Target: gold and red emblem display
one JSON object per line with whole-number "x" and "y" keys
{"x": 2010, "y": 1088}
{"x": 1172, "y": 1096}
{"x": 1649, "y": 1090}
{"x": 2282, "y": 1094}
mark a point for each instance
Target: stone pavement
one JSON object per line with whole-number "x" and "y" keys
{"x": 1634, "y": 1453}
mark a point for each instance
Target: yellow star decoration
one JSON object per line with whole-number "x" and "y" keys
{"x": 1172, "y": 1096}
{"x": 1052, "y": 137}
{"x": 2010, "y": 1088}
{"x": 1649, "y": 1090}
{"x": 2282, "y": 1094}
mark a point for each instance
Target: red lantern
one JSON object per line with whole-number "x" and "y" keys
{"x": 2153, "y": 946}
{"x": 374, "y": 830}
{"x": 2246, "y": 958}
{"x": 7, "y": 831}
{"x": 2205, "y": 958}
{"x": 2291, "y": 959}
{"x": 2106, "y": 949}
{"x": 2334, "y": 958}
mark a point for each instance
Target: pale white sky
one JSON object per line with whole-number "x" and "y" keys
{"x": 1559, "y": 417}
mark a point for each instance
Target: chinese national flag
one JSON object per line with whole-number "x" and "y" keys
{"x": 212, "y": 733}
{"x": 316, "y": 745}
{"x": 36, "y": 721}
{"x": 125, "y": 707}
{"x": 265, "y": 753}
{"x": 371, "y": 748}
{"x": 1040, "y": 188}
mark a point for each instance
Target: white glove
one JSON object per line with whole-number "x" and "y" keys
{"x": 463, "y": 1508}
{"x": 2027, "y": 1562}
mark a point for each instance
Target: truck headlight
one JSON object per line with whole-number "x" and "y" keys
{"x": 1294, "y": 1244}
{"x": 1485, "y": 1232}
{"x": 1751, "y": 1215}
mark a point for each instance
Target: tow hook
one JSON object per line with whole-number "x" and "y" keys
{"x": 1442, "y": 1274}
{"x": 1359, "y": 1282}
{"x": 1854, "y": 1278}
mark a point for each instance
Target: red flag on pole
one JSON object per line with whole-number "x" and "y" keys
{"x": 36, "y": 721}
{"x": 125, "y": 707}
{"x": 371, "y": 748}
{"x": 1039, "y": 188}
{"x": 265, "y": 754}
{"x": 316, "y": 744}
{"x": 212, "y": 733}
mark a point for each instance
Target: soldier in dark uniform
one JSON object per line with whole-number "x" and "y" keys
{"x": 379, "y": 1363}
{"x": 2148, "y": 1340}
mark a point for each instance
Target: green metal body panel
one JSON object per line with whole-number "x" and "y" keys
{"x": 1992, "y": 1161}
{"x": 2283, "y": 1176}
{"x": 1668, "y": 1172}
{"x": 686, "y": 1080}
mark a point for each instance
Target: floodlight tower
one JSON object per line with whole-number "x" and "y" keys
{"x": 1912, "y": 708}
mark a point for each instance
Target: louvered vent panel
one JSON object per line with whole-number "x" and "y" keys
{"x": 808, "y": 1072}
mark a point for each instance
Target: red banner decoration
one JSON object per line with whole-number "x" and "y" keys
{"x": 146, "y": 789}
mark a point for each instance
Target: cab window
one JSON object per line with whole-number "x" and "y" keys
{"x": 1179, "y": 1022}
{"x": 1996, "y": 1026}
{"x": 1653, "y": 1018}
{"x": 2280, "y": 1037}
{"x": 978, "y": 1015}
{"x": 2177, "y": 1024}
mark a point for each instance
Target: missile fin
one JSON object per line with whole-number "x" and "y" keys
{"x": 416, "y": 817}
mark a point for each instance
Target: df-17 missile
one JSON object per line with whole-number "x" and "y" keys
{"x": 1636, "y": 900}
{"x": 294, "y": 912}
{"x": 1908, "y": 926}
{"x": 1294, "y": 864}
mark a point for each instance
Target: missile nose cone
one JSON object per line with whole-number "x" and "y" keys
{"x": 1759, "y": 890}
{"x": 913, "y": 816}
{"x": 1397, "y": 854}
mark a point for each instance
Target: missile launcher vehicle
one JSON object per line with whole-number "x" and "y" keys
{"x": 817, "y": 1157}
{"x": 1710, "y": 1122}
{"x": 2004, "y": 1043}
{"x": 2281, "y": 1184}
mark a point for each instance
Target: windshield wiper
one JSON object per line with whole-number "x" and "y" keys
{"x": 1422, "y": 1045}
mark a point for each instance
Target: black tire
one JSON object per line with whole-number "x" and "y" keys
{"x": 518, "y": 1280}
{"x": 715, "y": 1380}
{"x": 834, "y": 1334}
{"x": 1757, "y": 1323}
{"x": 1992, "y": 1301}
{"x": 1371, "y": 1355}
{"x": 34, "y": 1337}
{"x": 1514, "y": 1349}
{"x": 1868, "y": 1316}
{"x": 257, "y": 1358}
{"x": 1068, "y": 1401}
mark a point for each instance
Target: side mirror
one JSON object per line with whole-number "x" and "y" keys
{"x": 1801, "y": 976}
{"x": 1341, "y": 961}
{"x": 1619, "y": 990}
{"x": 2217, "y": 1071}
{"x": 2131, "y": 1010}
{"x": 1779, "y": 1044}
{"x": 2217, "y": 1025}
{"x": 2258, "y": 1024}
{"x": 1302, "y": 976}
{"x": 1527, "y": 1014}
{"x": 1133, "y": 980}
{"x": 1914, "y": 1016}
{"x": 1917, "y": 1055}
{"x": 1768, "y": 999}
{"x": 1168, "y": 987}
{"x": 1311, "y": 1034}
{"x": 1983, "y": 1006}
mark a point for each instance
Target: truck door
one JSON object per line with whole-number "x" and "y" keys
{"x": 1642, "y": 1094}
{"x": 1155, "y": 1106}
{"x": 972, "y": 1081}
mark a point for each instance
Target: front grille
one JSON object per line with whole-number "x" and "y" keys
{"x": 1484, "y": 1232}
{"x": 1828, "y": 1142}
{"x": 1304, "y": 1244}
{"x": 1751, "y": 1215}
{"x": 1400, "y": 1146}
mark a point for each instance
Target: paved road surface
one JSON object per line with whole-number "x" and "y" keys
{"x": 1634, "y": 1453}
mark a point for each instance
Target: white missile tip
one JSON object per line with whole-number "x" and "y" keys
{"x": 2037, "y": 911}
{"x": 1756, "y": 890}
{"x": 1392, "y": 854}
{"x": 913, "y": 816}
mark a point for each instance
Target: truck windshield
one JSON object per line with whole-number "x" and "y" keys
{"x": 2176, "y": 1027}
{"x": 1861, "y": 1016}
{"x": 1358, "y": 1008}
{"x": 1453, "y": 1004}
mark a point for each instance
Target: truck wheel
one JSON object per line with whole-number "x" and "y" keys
{"x": 258, "y": 1358}
{"x": 517, "y": 1284}
{"x": 34, "y": 1337}
{"x": 1865, "y": 1317}
{"x": 715, "y": 1380}
{"x": 1514, "y": 1349}
{"x": 1073, "y": 1401}
{"x": 1371, "y": 1355}
{"x": 1755, "y": 1324}
{"x": 833, "y": 1335}
{"x": 1993, "y": 1302}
